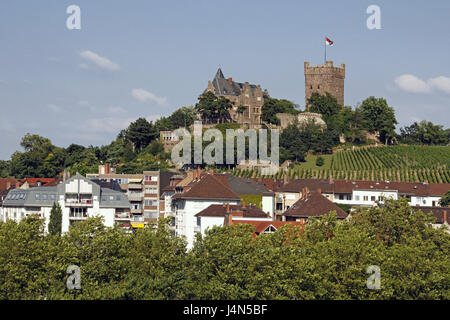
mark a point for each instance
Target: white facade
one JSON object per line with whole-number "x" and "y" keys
{"x": 185, "y": 220}
{"x": 78, "y": 198}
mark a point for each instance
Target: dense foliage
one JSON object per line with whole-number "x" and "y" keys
{"x": 424, "y": 132}
{"x": 273, "y": 106}
{"x": 327, "y": 259}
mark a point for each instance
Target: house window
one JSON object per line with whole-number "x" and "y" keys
{"x": 270, "y": 229}
{"x": 349, "y": 197}
{"x": 38, "y": 196}
{"x": 380, "y": 198}
{"x": 366, "y": 198}
{"x": 52, "y": 197}
{"x": 372, "y": 198}
{"x": 111, "y": 198}
{"x": 198, "y": 221}
{"x": 357, "y": 198}
{"x": 341, "y": 197}
{"x": 44, "y": 196}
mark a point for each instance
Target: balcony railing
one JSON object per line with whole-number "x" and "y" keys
{"x": 137, "y": 219}
{"x": 135, "y": 196}
{"x": 134, "y": 186}
{"x": 78, "y": 203}
{"x": 78, "y": 215}
{"x": 123, "y": 216}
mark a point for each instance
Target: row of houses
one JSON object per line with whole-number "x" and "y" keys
{"x": 200, "y": 200}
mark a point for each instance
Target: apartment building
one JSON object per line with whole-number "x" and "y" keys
{"x": 79, "y": 199}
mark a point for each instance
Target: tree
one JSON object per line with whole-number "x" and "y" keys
{"x": 213, "y": 109}
{"x": 326, "y": 105}
{"x": 424, "y": 132}
{"x": 319, "y": 161}
{"x": 141, "y": 133}
{"x": 55, "y": 224}
{"x": 183, "y": 117}
{"x": 273, "y": 106}
{"x": 379, "y": 116}
{"x": 445, "y": 200}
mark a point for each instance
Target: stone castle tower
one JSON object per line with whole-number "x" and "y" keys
{"x": 325, "y": 78}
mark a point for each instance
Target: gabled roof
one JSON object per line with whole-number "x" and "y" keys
{"x": 244, "y": 186}
{"x": 220, "y": 210}
{"x": 313, "y": 204}
{"x": 227, "y": 87}
{"x": 208, "y": 187}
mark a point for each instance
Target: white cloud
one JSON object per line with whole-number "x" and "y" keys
{"x": 99, "y": 61}
{"x": 441, "y": 83}
{"x": 410, "y": 83}
{"x": 143, "y": 96}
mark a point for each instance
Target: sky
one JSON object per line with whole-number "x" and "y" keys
{"x": 134, "y": 59}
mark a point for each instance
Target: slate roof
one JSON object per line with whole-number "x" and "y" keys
{"x": 223, "y": 86}
{"x": 313, "y": 204}
{"x": 220, "y": 210}
{"x": 245, "y": 186}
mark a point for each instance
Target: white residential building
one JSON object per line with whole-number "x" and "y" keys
{"x": 78, "y": 197}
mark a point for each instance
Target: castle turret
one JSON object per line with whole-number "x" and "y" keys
{"x": 325, "y": 78}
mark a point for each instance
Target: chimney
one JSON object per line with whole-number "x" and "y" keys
{"x": 107, "y": 171}
{"x": 331, "y": 180}
{"x": 243, "y": 204}
{"x": 230, "y": 219}
{"x": 268, "y": 215}
{"x": 228, "y": 207}
{"x": 230, "y": 80}
{"x": 445, "y": 217}
{"x": 199, "y": 173}
{"x": 425, "y": 182}
{"x": 8, "y": 185}
{"x": 286, "y": 179}
{"x": 319, "y": 191}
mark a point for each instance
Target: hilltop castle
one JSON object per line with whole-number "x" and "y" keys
{"x": 324, "y": 78}
{"x": 248, "y": 95}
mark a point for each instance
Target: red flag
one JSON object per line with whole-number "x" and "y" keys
{"x": 328, "y": 42}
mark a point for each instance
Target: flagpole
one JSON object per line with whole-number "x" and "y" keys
{"x": 325, "y": 60}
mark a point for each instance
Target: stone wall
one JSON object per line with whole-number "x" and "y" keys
{"x": 325, "y": 78}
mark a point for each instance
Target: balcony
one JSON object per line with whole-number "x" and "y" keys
{"x": 137, "y": 219}
{"x": 135, "y": 196}
{"x": 78, "y": 216}
{"x": 123, "y": 216}
{"x": 136, "y": 211}
{"x": 135, "y": 186}
{"x": 83, "y": 203}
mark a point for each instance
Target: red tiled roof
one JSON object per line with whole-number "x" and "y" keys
{"x": 208, "y": 187}
{"x": 407, "y": 188}
{"x": 314, "y": 204}
{"x": 4, "y": 183}
{"x": 220, "y": 210}
{"x": 438, "y": 189}
{"x": 34, "y": 181}
{"x": 297, "y": 185}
